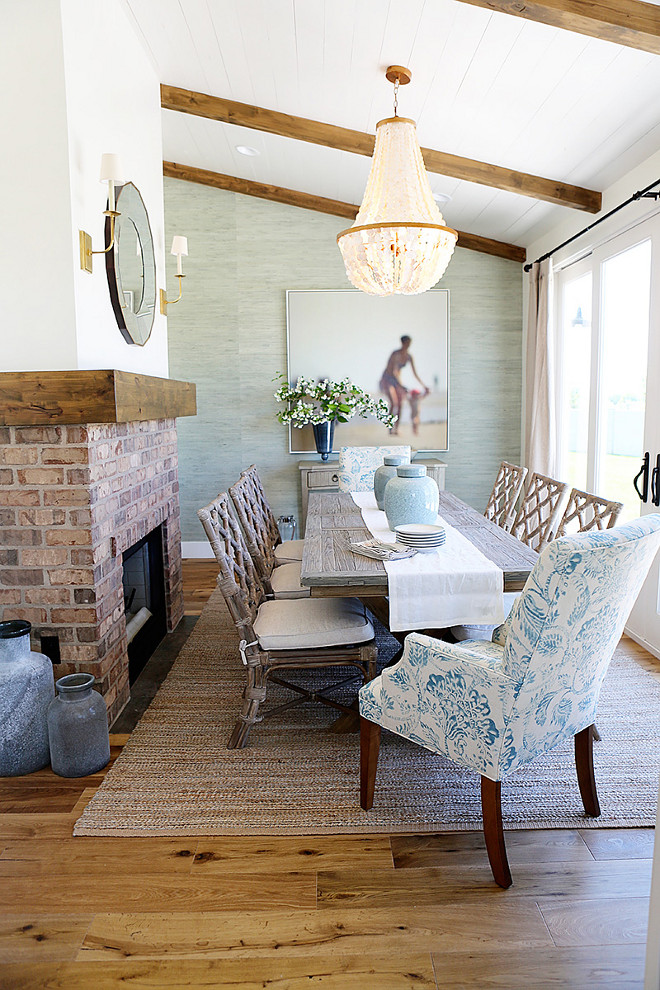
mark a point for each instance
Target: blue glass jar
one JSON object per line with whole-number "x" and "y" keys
{"x": 78, "y": 728}
{"x": 26, "y": 690}
{"x": 383, "y": 474}
{"x": 411, "y": 497}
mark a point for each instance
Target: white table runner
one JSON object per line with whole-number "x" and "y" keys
{"x": 458, "y": 585}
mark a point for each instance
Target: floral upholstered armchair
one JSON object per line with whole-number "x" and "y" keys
{"x": 493, "y": 706}
{"x": 357, "y": 465}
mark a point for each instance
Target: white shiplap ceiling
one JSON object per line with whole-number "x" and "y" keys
{"x": 485, "y": 85}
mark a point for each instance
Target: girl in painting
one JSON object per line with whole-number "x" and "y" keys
{"x": 390, "y": 382}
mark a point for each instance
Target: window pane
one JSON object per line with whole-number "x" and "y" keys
{"x": 575, "y": 377}
{"x": 626, "y": 284}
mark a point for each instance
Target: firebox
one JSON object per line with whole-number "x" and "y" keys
{"x": 144, "y": 599}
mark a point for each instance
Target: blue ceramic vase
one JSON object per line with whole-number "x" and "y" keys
{"x": 26, "y": 690}
{"x": 78, "y": 728}
{"x": 324, "y": 434}
{"x": 383, "y": 474}
{"x": 411, "y": 497}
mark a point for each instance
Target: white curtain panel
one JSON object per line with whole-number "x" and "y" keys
{"x": 540, "y": 381}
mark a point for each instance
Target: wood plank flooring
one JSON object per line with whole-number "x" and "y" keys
{"x": 360, "y": 912}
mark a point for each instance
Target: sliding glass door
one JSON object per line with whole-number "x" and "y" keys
{"x": 625, "y": 286}
{"x": 575, "y": 331}
{"x": 609, "y": 372}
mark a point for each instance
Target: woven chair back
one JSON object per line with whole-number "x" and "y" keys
{"x": 255, "y": 523}
{"x": 501, "y": 508}
{"x": 253, "y": 491}
{"x": 537, "y": 516}
{"x": 238, "y": 579}
{"x": 584, "y": 512}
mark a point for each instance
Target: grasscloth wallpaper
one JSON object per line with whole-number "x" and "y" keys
{"x": 228, "y": 335}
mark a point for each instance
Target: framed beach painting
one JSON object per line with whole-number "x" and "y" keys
{"x": 396, "y": 348}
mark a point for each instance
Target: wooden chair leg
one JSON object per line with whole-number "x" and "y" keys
{"x": 584, "y": 764}
{"x": 369, "y": 749}
{"x": 491, "y": 806}
{"x": 369, "y": 661}
{"x": 253, "y": 694}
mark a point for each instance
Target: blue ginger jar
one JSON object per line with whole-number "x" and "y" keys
{"x": 411, "y": 497}
{"x": 78, "y": 727}
{"x": 26, "y": 690}
{"x": 383, "y": 474}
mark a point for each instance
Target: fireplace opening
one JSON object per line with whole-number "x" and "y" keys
{"x": 144, "y": 599}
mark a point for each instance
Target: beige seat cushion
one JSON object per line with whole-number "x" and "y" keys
{"x": 289, "y": 550}
{"x": 311, "y": 623}
{"x": 285, "y": 581}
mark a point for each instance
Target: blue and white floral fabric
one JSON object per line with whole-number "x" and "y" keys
{"x": 357, "y": 465}
{"x": 492, "y": 707}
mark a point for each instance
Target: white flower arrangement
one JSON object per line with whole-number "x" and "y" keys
{"x": 310, "y": 402}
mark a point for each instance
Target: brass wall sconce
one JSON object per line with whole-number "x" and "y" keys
{"x": 179, "y": 248}
{"x": 111, "y": 172}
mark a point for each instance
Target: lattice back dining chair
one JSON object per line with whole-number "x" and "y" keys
{"x": 281, "y": 581}
{"x": 584, "y": 512}
{"x": 494, "y": 707}
{"x": 357, "y": 465}
{"x": 501, "y": 508}
{"x": 263, "y": 519}
{"x": 537, "y": 516}
{"x": 276, "y": 635}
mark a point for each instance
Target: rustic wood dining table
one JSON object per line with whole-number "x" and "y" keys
{"x": 329, "y": 568}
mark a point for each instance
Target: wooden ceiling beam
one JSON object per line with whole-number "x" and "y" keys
{"x": 306, "y": 201}
{"x": 359, "y": 143}
{"x": 625, "y": 22}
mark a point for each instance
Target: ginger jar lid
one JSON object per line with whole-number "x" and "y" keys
{"x": 411, "y": 470}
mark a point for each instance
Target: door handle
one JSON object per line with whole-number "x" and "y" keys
{"x": 644, "y": 474}
{"x": 655, "y": 486}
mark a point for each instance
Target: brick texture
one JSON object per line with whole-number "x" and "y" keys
{"x": 72, "y": 500}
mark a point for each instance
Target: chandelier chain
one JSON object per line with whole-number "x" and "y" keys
{"x": 396, "y": 97}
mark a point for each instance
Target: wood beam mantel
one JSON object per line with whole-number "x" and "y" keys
{"x": 360, "y": 143}
{"x": 625, "y": 22}
{"x": 306, "y": 201}
{"x": 37, "y": 398}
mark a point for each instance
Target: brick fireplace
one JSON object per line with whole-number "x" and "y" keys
{"x": 73, "y": 498}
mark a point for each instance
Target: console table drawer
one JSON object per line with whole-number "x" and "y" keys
{"x": 322, "y": 479}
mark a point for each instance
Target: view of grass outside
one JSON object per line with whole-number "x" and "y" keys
{"x": 617, "y": 473}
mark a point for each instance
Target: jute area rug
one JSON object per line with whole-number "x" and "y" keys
{"x": 176, "y": 777}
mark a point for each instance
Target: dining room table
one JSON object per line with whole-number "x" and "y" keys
{"x": 331, "y": 569}
{"x": 334, "y": 520}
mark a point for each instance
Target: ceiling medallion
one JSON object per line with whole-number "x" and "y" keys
{"x": 399, "y": 242}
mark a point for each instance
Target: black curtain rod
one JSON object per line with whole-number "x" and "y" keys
{"x": 632, "y": 199}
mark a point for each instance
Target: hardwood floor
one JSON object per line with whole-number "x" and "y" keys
{"x": 347, "y": 912}
{"x": 199, "y": 577}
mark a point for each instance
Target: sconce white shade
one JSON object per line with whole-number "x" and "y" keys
{"x": 111, "y": 169}
{"x": 179, "y": 245}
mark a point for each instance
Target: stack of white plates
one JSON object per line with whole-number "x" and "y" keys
{"x": 424, "y": 537}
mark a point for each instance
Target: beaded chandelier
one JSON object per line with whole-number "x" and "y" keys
{"x": 399, "y": 242}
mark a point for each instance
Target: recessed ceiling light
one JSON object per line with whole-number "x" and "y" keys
{"x": 441, "y": 197}
{"x": 245, "y": 149}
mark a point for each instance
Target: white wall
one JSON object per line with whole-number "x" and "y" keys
{"x": 113, "y": 105}
{"x": 37, "y": 306}
{"x": 78, "y": 83}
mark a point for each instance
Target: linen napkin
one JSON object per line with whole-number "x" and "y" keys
{"x": 458, "y": 585}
